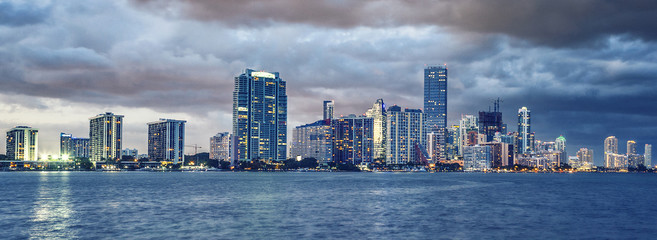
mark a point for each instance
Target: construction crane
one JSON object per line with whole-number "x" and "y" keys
{"x": 196, "y": 147}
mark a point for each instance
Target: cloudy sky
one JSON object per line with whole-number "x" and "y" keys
{"x": 587, "y": 69}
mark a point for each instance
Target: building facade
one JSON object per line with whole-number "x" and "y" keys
{"x": 260, "y": 116}
{"x": 313, "y": 141}
{"x": 23, "y": 143}
{"x": 352, "y": 139}
{"x": 406, "y": 133}
{"x": 130, "y": 152}
{"x": 476, "y": 158}
{"x": 329, "y": 105}
{"x": 610, "y": 150}
{"x": 105, "y": 134}
{"x": 647, "y": 155}
{"x": 585, "y": 158}
{"x": 525, "y": 139}
{"x": 469, "y": 124}
{"x": 560, "y": 146}
{"x": 378, "y": 115}
{"x": 73, "y": 147}
{"x": 166, "y": 140}
{"x": 435, "y": 107}
{"x": 221, "y": 146}
{"x": 631, "y": 147}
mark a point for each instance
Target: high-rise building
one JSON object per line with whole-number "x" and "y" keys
{"x": 647, "y": 155}
{"x": 501, "y": 154}
{"x": 105, "y": 134}
{"x": 23, "y": 143}
{"x": 405, "y": 135}
{"x": 328, "y": 109}
{"x": 435, "y": 107}
{"x": 610, "y": 148}
{"x": 491, "y": 122}
{"x": 166, "y": 140}
{"x": 631, "y": 147}
{"x": 476, "y": 158}
{"x": 585, "y": 158}
{"x": 221, "y": 146}
{"x": 453, "y": 141}
{"x": 525, "y": 140}
{"x": 260, "y": 116}
{"x": 73, "y": 147}
{"x": 352, "y": 139}
{"x": 560, "y": 146}
{"x": 468, "y": 124}
{"x": 313, "y": 141}
{"x": 378, "y": 115}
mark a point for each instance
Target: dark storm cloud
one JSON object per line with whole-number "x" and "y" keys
{"x": 546, "y": 22}
{"x": 15, "y": 14}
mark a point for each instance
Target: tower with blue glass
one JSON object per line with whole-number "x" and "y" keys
{"x": 435, "y": 108}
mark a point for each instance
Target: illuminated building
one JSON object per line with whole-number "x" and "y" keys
{"x": 166, "y": 140}
{"x": 221, "y": 146}
{"x": 585, "y": 157}
{"x": 405, "y": 135}
{"x": 328, "y": 109}
{"x": 23, "y": 143}
{"x": 476, "y": 158}
{"x": 313, "y": 141}
{"x": 72, "y": 147}
{"x": 468, "y": 124}
{"x": 501, "y": 154}
{"x": 260, "y": 116}
{"x": 610, "y": 149}
{"x": 634, "y": 160}
{"x": 525, "y": 140}
{"x": 378, "y": 115}
{"x": 352, "y": 139}
{"x": 631, "y": 147}
{"x": 435, "y": 107}
{"x": 647, "y": 155}
{"x": 560, "y": 146}
{"x": 105, "y": 133}
{"x": 453, "y": 142}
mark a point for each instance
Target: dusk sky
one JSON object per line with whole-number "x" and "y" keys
{"x": 586, "y": 69}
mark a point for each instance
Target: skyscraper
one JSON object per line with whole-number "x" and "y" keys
{"x": 328, "y": 109}
{"x": 525, "y": 140}
{"x": 647, "y": 155}
{"x": 468, "y": 124}
{"x": 23, "y": 143}
{"x": 72, "y": 147}
{"x": 352, "y": 139}
{"x": 166, "y": 140}
{"x": 611, "y": 149}
{"x": 560, "y": 145}
{"x": 491, "y": 122}
{"x": 405, "y": 135}
{"x": 435, "y": 106}
{"x": 585, "y": 157}
{"x": 220, "y": 146}
{"x": 631, "y": 147}
{"x": 378, "y": 115}
{"x": 260, "y": 116}
{"x": 105, "y": 133}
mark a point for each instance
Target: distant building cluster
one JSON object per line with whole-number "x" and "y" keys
{"x": 381, "y": 135}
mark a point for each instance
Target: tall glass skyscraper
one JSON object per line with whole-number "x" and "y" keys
{"x": 328, "y": 109}
{"x": 525, "y": 140}
{"x": 435, "y": 107}
{"x": 378, "y": 114}
{"x": 260, "y": 116}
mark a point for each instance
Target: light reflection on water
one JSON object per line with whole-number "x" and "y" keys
{"x": 52, "y": 217}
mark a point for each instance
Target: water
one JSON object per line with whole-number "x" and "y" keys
{"x": 227, "y": 205}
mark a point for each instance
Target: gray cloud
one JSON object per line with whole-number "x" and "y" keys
{"x": 20, "y": 14}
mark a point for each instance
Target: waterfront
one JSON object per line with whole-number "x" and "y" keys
{"x": 246, "y": 205}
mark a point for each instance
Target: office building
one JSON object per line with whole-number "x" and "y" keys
{"x": 585, "y": 157}
{"x": 525, "y": 139}
{"x": 406, "y": 136}
{"x": 166, "y": 140}
{"x": 560, "y": 146}
{"x": 221, "y": 146}
{"x": 610, "y": 149}
{"x": 328, "y": 109}
{"x": 435, "y": 107}
{"x": 260, "y": 116}
{"x": 378, "y": 115}
{"x": 23, "y": 143}
{"x": 501, "y": 154}
{"x": 476, "y": 158}
{"x": 105, "y": 134}
{"x": 469, "y": 130}
{"x": 352, "y": 139}
{"x": 313, "y": 141}
{"x": 453, "y": 142}
{"x": 491, "y": 122}
{"x": 647, "y": 155}
{"x": 72, "y": 147}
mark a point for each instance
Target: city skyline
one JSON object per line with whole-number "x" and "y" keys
{"x": 58, "y": 65}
